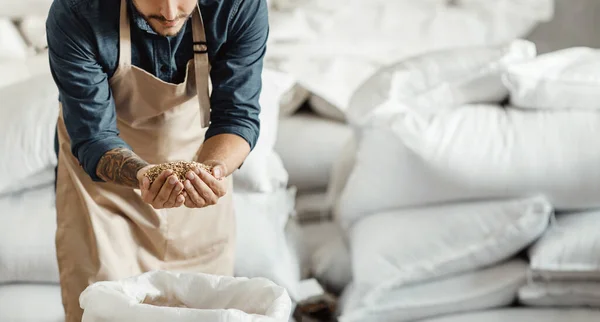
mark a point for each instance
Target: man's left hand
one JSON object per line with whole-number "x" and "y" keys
{"x": 203, "y": 188}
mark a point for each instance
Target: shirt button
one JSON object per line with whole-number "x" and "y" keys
{"x": 164, "y": 69}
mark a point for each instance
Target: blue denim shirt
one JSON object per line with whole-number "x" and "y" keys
{"x": 83, "y": 42}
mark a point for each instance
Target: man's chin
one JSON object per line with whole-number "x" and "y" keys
{"x": 167, "y": 31}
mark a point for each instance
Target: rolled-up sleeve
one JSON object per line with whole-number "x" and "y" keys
{"x": 236, "y": 73}
{"x": 87, "y": 102}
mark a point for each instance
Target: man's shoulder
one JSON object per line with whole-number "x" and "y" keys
{"x": 218, "y": 7}
{"x": 232, "y": 13}
{"x": 90, "y": 25}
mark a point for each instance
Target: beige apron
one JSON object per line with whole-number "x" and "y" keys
{"x": 106, "y": 231}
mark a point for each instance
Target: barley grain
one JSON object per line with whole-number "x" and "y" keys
{"x": 180, "y": 169}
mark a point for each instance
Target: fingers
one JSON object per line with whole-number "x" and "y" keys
{"x": 193, "y": 196}
{"x": 172, "y": 201}
{"x": 155, "y": 187}
{"x": 188, "y": 201}
{"x": 217, "y": 186}
{"x": 203, "y": 188}
{"x": 144, "y": 188}
{"x": 218, "y": 171}
{"x": 163, "y": 195}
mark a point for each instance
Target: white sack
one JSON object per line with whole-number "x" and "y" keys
{"x": 185, "y": 297}
{"x": 28, "y": 122}
{"x": 292, "y": 101}
{"x": 31, "y": 303}
{"x": 492, "y": 287}
{"x": 33, "y": 29}
{"x": 340, "y": 173}
{"x": 27, "y": 228}
{"x": 385, "y": 175}
{"x": 570, "y": 249}
{"x": 331, "y": 262}
{"x": 488, "y": 150}
{"x": 565, "y": 79}
{"x": 12, "y": 44}
{"x": 478, "y": 152}
{"x": 321, "y": 43}
{"x": 561, "y": 294}
{"x": 404, "y": 247}
{"x": 12, "y": 72}
{"x": 262, "y": 249}
{"x": 263, "y": 170}
{"x": 314, "y": 234}
{"x": 308, "y": 146}
{"x": 523, "y": 315}
{"x": 445, "y": 78}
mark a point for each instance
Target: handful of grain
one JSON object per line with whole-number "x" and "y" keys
{"x": 179, "y": 168}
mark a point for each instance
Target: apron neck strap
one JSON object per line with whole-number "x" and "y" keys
{"x": 124, "y": 37}
{"x": 201, "y": 66}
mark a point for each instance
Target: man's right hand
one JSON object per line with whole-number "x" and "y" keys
{"x": 164, "y": 192}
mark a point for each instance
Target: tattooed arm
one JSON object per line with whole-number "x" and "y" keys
{"x": 123, "y": 167}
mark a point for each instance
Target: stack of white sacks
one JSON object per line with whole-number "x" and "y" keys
{"x": 332, "y": 46}
{"x": 29, "y": 289}
{"x": 28, "y": 270}
{"x": 447, "y": 194}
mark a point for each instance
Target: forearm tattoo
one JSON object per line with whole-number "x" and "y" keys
{"x": 120, "y": 166}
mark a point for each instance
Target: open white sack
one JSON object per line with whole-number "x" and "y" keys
{"x": 160, "y": 296}
{"x": 492, "y": 287}
{"x": 404, "y": 247}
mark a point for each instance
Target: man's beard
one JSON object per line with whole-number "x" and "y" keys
{"x": 170, "y": 32}
{"x": 181, "y": 18}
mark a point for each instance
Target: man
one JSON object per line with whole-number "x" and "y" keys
{"x": 133, "y": 77}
